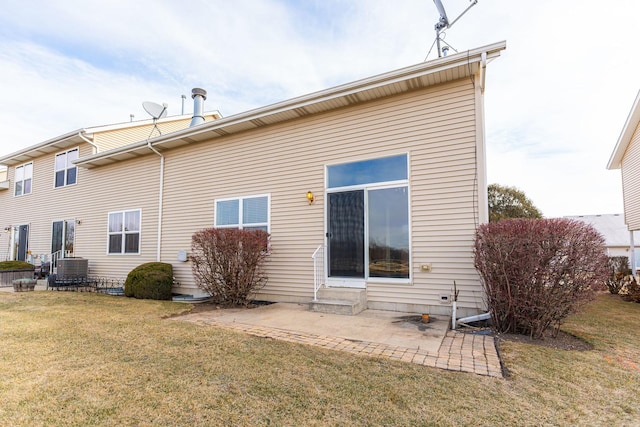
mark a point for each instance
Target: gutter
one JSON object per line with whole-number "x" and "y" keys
{"x": 483, "y": 70}
{"x": 160, "y": 201}
{"x": 88, "y": 141}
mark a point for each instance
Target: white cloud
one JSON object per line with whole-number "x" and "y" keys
{"x": 555, "y": 101}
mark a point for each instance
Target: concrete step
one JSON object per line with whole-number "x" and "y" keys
{"x": 347, "y": 301}
{"x": 333, "y": 306}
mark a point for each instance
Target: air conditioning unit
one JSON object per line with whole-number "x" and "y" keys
{"x": 73, "y": 267}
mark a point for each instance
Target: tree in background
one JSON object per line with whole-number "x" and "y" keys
{"x": 509, "y": 202}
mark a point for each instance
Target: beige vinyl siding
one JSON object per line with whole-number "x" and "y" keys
{"x": 436, "y": 127}
{"x": 124, "y": 186}
{"x": 119, "y": 187}
{"x": 44, "y": 205}
{"x": 108, "y": 140}
{"x": 631, "y": 181}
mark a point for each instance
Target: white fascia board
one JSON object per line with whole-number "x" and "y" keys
{"x": 615, "y": 161}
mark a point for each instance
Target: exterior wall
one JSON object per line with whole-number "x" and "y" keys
{"x": 120, "y": 137}
{"x": 436, "y": 127}
{"x": 40, "y": 208}
{"x": 631, "y": 181}
{"x": 118, "y": 187}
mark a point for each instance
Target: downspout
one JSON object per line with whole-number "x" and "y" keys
{"x": 483, "y": 70}
{"x": 159, "y": 238}
{"x": 632, "y": 247}
{"x": 481, "y": 175}
{"x": 480, "y": 186}
{"x": 88, "y": 141}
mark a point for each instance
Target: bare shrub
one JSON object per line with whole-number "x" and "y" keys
{"x": 618, "y": 270}
{"x": 228, "y": 263}
{"x": 629, "y": 289}
{"x": 535, "y": 272}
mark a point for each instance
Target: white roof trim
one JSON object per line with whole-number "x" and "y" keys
{"x": 71, "y": 138}
{"x": 615, "y": 162}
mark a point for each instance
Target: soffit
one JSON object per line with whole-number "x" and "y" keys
{"x": 51, "y": 146}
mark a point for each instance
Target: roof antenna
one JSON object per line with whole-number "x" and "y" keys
{"x": 156, "y": 111}
{"x": 443, "y": 23}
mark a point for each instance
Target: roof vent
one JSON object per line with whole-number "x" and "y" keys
{"x": 199, "y": 95}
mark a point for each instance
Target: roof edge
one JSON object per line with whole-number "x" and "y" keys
{"x": 491, "y": 51}
{"x": 92, "y": 130}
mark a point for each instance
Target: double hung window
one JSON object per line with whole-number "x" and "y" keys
{"x": 23, "y": 177}
{"x": 124, "y": 232}
{"x": 66, "y": 171}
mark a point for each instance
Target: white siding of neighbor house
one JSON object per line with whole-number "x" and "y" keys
{"x": 436, "y": 127}
{"x": 631, "y": 181}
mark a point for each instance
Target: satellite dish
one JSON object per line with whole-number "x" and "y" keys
{"x": 156, "y": 111}
{"x": 443, "y": 23}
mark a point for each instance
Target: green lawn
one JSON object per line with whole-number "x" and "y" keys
{"x": 88, "y": 359}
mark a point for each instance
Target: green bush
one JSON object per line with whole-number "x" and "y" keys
{"x": 152, "y": 280}
{"x": 16, "y": 265}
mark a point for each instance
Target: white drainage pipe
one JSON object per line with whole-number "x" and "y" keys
{"x": 453, "y": 314}
{"x": 476, "y": 318}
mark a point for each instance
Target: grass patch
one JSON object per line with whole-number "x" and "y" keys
{"x": 90, "y": 359}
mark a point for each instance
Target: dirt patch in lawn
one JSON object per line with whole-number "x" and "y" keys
{"x": 204, "y": 307}
{"x": 562, "y": 341}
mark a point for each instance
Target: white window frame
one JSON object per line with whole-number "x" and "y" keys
{"x": 124, "y": 232}
{"x": 240, "y": 224}
{"x": 402, "y": 183}
{"x": 24, "y": 178}
{"x": 68, "y": 165}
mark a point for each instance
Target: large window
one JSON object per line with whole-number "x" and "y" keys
{"x": 388, "y": 218}
{"x": 23, "y": 177}
{"x": 124, "y": 232}
{"x": 368, "y": 219}
{"x": 66, "y": 171}
{"x": 250, "y": 212}
{"x": 385, "y": 169}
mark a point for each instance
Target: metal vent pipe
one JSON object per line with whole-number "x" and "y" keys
{"x": 199, "y": 95}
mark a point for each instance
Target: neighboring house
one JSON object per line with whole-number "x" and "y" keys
{"x": 616, "y": 234}
{"x": 626, "y": 157}
{"x": 4, "y": 180}
{"x": 40, "y": 211}
{"x": 395, "y": 164}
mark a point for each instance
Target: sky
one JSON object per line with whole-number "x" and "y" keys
{"x": 556, "y": 100}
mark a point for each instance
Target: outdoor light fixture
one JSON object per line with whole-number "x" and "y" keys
{"x": 7, "y": 229}
{"x": 310, "y": 197}
{"x": 78, "y": 222}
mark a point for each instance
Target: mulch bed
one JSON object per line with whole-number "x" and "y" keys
{"x": 562, "y": 341}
